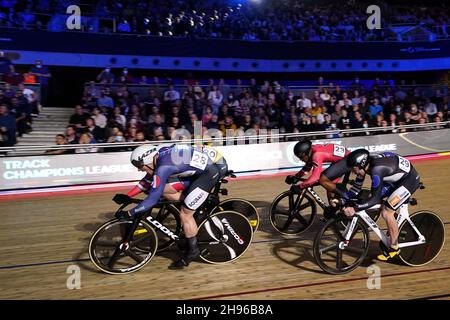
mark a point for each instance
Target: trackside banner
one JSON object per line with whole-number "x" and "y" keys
{"x": 266, "y": 158}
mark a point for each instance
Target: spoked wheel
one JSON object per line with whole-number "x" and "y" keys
{"x": 432, "y": 228}
{"x": 224, "y": 237}
{"x": 242, "y": 206}
{"x": 292, "y": 213}
{"x": 167, "y": 215}
{"x": 110, "y": 254}
{"x": 329, "y": 251}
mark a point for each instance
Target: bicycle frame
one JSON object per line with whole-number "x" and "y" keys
{"x": 402, "y": 216}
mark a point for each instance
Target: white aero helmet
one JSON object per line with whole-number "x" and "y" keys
{"x": 143, "y": 155}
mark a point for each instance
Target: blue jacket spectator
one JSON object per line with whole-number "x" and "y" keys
{"x": 375, "y": 108}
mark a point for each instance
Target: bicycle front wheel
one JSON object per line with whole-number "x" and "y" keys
{"x": 329, "y": 251}
{"x": 224, "y": 237}
{"x": 110, "y": 254}
{"x": 242, "y": 206}
{"x": 432, "y": 228}
{"x": 290, "y": 214}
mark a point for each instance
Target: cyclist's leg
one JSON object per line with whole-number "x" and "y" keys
{"x": 194, "y": 197}
{"x": 175, "y": 187}
{"x": 331, "y": 176}
{"x": 395, "y": 199}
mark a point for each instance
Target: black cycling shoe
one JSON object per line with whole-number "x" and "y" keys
{"x": 185, "y": 260}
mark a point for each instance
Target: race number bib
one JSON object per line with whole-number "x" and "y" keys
{"x": 404, "y": 164}
{"x": 211, "y": 153}
{"x": 339, "y": 151}
{"x": 199, "y": 160}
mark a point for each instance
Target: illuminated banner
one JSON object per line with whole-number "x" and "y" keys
{"x": 76, "y": 169}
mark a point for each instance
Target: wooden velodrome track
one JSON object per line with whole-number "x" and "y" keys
{"x": 41, "y": 237}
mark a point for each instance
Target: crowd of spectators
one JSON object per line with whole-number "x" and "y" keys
{"x": 120, "y": 114}
{"x": 249, "y": 20}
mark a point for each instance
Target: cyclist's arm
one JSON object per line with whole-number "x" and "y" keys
{"x": 355, "y": 189}
{"x": 377, "y": 174}
{"x": 143, "y": 186}
{"x": 160, "y": 177}
{"x": 306, "y": 168}
{"x": 315, "y": 175}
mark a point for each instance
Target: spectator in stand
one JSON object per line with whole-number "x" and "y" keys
{"x": 20, "y": 109}
{"x": 97, "y": 133}
{"x": 7, "y": 127}
{"x": 99, "y": 119}
{"x": 158, "y": 125}
{"x": 125, "y": 77}
{"x": 3, "y": 99}
{"x": 106, "y": 76}
{"x": 78, "y": 119}
{"x": 5, "y": 65}
{"x": 140, "y": 137}
{"x": 415, "y": 114}
{"x": 60, "y": 140}
{"x": 31, "y": 97}
{"x": 43, "y": 75}
{"x": 171, "y": 95}
{"x": 86, "y": 138}
{"x": 116, "y": 135}
{"x": 228, "y": 124}
{"x": 430, "y": 109}
{"x": 375, "y": 108}
{"x": 303, "y": 102}
{"x": 71, "y": 135}
{"x": 105, "y": 99}
{"x": 118, "y": 118}
{"x": 215, "y": 98}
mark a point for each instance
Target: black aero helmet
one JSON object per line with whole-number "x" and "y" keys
{"x": 358, "y": 158}
{"x": 302, "y": 147}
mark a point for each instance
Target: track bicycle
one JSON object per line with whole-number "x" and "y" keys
{"x": 337, "y": 251}
{"x": 125, "y": 246}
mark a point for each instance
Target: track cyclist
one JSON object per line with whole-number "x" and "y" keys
{"x": 314, "y": 156}
{"x": 176, "y": 171}
{"x": 394, "y": 179}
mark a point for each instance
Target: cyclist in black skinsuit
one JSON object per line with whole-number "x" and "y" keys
{"x": 394, "y": 178}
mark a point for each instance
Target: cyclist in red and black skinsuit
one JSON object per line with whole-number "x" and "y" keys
{"x": 314, "y": 156}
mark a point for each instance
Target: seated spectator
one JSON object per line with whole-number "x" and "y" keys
{"x": 118, "y": 118}
{"x": 99, "y": 119}
{"x": 303, "y": 102}
{"x": 105, "y": 99}
{"x": 71, "y": 135}
{"x": 116, "y": 135}
{"x": 97, "y": 133}
{"x": 415, "y": 114}
{"x": 228, "y": 125}
{"x": 78, "y": 119}
{"x": 171, "y": 95}
{"x": 140, "y": 137}
{"x": 22, "y": 112}
{"x": 60, "y": 140}
{"x": 125, "y": 77}
{"x": 86, "y": 138}
{"x": 375, "y": 108}
{"x": 106, "y": 76}
{"x": 7, "y": 127}
{"x": 158, "y": 124}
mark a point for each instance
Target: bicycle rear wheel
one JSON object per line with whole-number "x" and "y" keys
{"x": 432, "y": 228}
{"x": 290, "y": 216}
{"x": 224, "y": 237}
{"x": 110, "y": 254}
{"x": 329, "y": 252}
{"x": 242, "y": 206}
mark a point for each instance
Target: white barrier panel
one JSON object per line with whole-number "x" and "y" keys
{"x": 76, "y": 169}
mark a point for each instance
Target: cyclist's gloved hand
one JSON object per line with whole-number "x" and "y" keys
{"x": 291, "y": 179}
{"x": 121, "y": 198}
{"x": 123, "y": 215}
